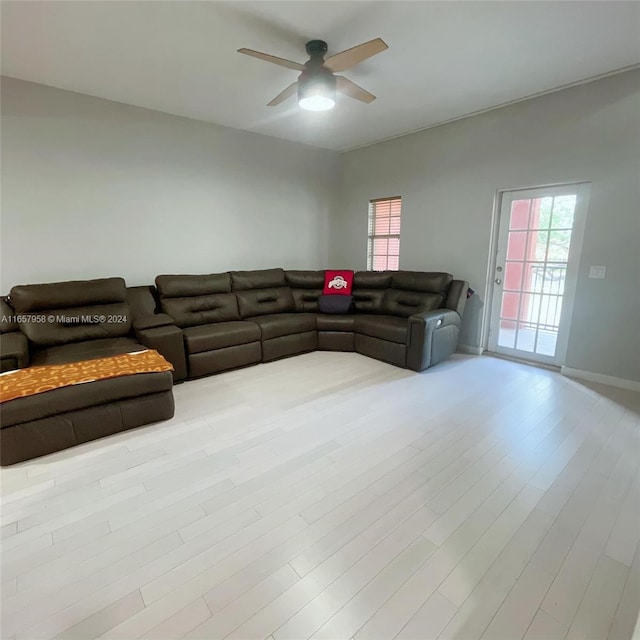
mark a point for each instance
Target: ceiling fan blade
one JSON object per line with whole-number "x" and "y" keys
{"x": 283, "y": 95}
{"x": 351, "y": 57}
{"x": 352, "y": 90}
{"x": 289, "y": 64}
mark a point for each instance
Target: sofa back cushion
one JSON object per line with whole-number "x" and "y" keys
{"x": 399, "y": 293}
{"x": 397, "y": 302}
{"x": 196, "y": 310}
{"x": 186, "y": 286}
{"x": 306, "y": 288}
{"x": 368, "y": 300}
{"x": 372, "y": 279}
{"x": 304, "y": 279}
{"x": 259, "y": 279}
{"x": 64, "y": 312}
{"x": 425, "y": 281}
{"x": 258, "y": 302}
{"x": 193, "y": 300}
{"x": 306, "y": 300}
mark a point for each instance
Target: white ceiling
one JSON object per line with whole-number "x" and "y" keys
{"x": 445, "y": 59}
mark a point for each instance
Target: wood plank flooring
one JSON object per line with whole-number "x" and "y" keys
{"x": 334, "y": 497}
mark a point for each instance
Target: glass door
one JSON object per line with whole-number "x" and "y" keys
{"x": 535, "y": 272}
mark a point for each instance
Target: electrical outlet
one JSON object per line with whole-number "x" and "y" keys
{"x": 597, "y": 272}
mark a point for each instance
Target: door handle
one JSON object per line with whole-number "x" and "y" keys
{"x": 498, "y": 281}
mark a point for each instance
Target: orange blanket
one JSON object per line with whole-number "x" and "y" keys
{"x": 28, "y": 382}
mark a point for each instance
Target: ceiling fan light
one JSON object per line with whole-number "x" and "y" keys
{"x": 317, "y": 103}
{"x": 317, "y": 91}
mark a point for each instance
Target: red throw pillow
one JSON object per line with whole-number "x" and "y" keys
{"x": 338, "y": 283}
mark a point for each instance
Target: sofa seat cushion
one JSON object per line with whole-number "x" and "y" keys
{"x": 220, "y": 335}
{"x": 384, "y": 327}
{"x": 335, "y": 322}
{"x": 82, "y": 396}
{"x": 88, "y": 350}
{"x": 285, "y": 324}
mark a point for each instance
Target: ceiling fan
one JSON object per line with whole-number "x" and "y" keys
{"x": 317, "y": 84}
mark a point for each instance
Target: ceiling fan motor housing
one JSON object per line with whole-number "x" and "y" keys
{"x": 316, "y": 48}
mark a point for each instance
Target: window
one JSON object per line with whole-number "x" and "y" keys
{"x": 383, "y": 251}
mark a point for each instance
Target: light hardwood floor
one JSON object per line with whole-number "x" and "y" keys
{"x": 331, "y": 496}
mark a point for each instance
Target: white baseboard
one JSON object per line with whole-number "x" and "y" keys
{"x": 601, "y": 378}
{"x": 472, "y": 351}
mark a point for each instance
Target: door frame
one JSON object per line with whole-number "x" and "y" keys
{"x": 582, "y": 188}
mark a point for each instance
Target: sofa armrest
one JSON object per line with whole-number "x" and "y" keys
{"x": 457, "y": 296}
{"x": 433, "y": 337}
{"x": 168, "y": 340}
{"x": 151, "y": 321}
{"x": 14, "y": 351}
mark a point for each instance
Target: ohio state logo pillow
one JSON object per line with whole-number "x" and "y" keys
{"x": 338, "y": 283}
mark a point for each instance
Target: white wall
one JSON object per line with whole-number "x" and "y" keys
{"x": 448, "y": 177}
{"x": 94, "y": 188}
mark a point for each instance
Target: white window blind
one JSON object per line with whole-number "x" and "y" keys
{"x": 383, "y": 250}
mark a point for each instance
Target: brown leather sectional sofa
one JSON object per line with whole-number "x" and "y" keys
{"x": 229, "y": 320}
{"x": 202, "y": 324}
{"x": 53, "y": 331}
